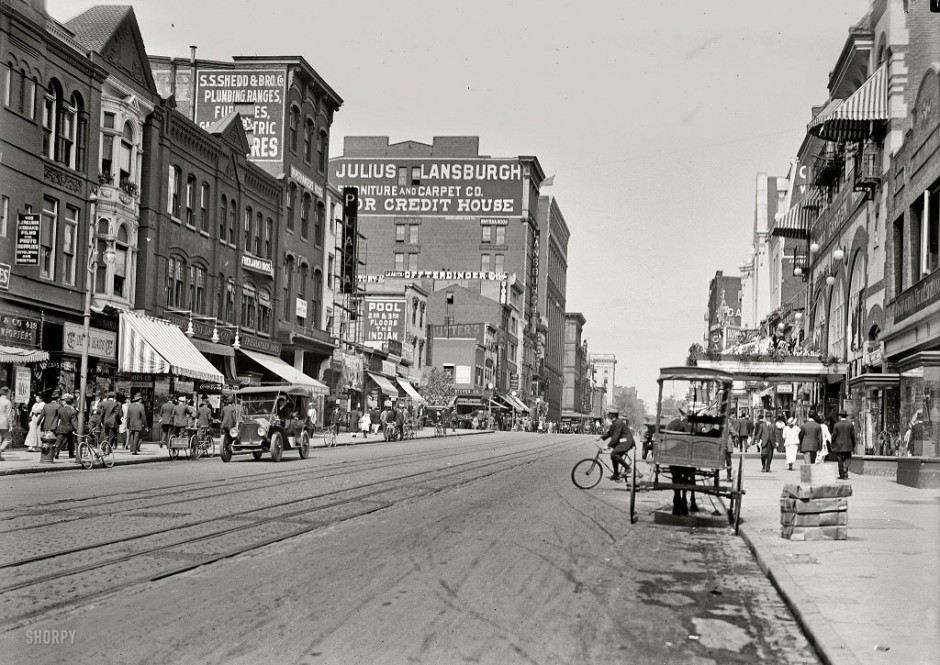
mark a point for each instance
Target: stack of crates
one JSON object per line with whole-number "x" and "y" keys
{"x": 817, "y": 507}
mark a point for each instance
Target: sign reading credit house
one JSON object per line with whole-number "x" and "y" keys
{"x": 258, "y": 94}
{"x": 433, "y": 187}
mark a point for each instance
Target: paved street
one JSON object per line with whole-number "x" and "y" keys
{"x": 474, "y": 548}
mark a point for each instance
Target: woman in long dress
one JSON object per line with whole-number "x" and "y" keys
{"x": 791, "y": 442}
{"x": 33, "y": 443}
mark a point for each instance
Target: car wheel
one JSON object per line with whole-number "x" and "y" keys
{"x": 277, "y": 446}
{"x": 226, "y": 451}
{"x": 304, "y": 446}
{"x": 257, "y": 454}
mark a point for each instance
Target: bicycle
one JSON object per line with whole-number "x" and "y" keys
{"x": 91, "y": 450}
{"x": 391, "y": 432}
{"x": 588, "y": 472}
{"x": 328, "y": 434}
{"x": 200, "y": 443}
{"x": 408, "y": 432}
{"x": 440, "y": 429}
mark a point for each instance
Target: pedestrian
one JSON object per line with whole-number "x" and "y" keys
{"x": 230, "y": 417}
{"x": 365, "y": 423}
{"x": 375, "y": 417}
{"x": 94, "y": 420}
{"x": 729, "y": 445}
{"x": 182, "y": 416}
{"x": 763, "y": 438}
{"x": 66, "y": 424}
{"x": 826, "y": 442}
{"x": 136, "y": 422}
{"x": 49, "y": 415}
{"x": 791, "y": 442}
{"x": 6, "y": 420}
{"x": 109, "y": 412}
{"x": 122, "y": 427}
{"x": 35, "y": 419}
{"x": 621, "y": 442}
{"x": 843, "y": 443}
{"x": 166, "y": 420}
{"x": 810, "y": 438}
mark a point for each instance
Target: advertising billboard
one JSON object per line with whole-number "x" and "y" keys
{"x": 433, "y": 187}
{"x": 258, "y": 94}
{"x": 384, "y": 319}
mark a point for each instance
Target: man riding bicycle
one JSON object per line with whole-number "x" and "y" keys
{"x": 621, "y": 441}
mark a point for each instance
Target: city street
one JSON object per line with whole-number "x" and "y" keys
{"x": 470, "y": 548}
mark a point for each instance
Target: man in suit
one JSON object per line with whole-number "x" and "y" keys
{"x": 109, "y": 412}
{"x": 136, "y": 423}
{"x": 843, "y": 443}
{"x": 66, "y": 424}
{"x": 764, "y": 439}
{"x": 621, "y": 441}
{"x": 229, "y": 415}
{"x": 810, "y": 438}
{"x": 182, "y": 414}
{"x": 50, "y": 414}
{"x": 166, "y": 420}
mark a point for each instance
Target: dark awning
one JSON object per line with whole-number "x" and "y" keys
{"x": 851, "y": 120}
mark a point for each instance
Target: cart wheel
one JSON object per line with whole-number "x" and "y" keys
{"x": 174, "y": 453}
{"x": 739, "y": 491}
{"x": 587, "y": 473}
{"x": 633, "y": 517}
{"x": 256, "y": 454}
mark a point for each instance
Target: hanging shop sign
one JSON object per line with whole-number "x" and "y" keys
{"x": 27, "y": 239}
{"x": 22, "y": 384}
{"x": 101, "y": 343}
{"x": 19, "y": 330}
{"x": 5, "y": 271}
{"x": 257, "y": 94}
{"x": 300, "y": 308}
{"x": 258, "y": 265}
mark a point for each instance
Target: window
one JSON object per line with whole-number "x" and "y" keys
{"x": 249, "y": 304}
{"x": 107, "y": 154}
{"x": 197, "y": 288}
{"x": 246, "y": 245}
{"x": 191, "y": 201}
{"x": 4, "y": 216}
{"x": 413, "y": 234}
{"x": 232, "y": 217}
{"x": 175, "y": 268}
{"x": 47, "y": 237}
{"x": 400, "y": 231}
{"x": 220, "y": 296}
{"x": 330, "y": 267}
{"x": 499, "y": 261}
{"x": 204, "y": 207}
{"x": 487, "y": 235}
{"x": 837, "y": 326}
{"x": 69, "y": 243}
{"x": 399, "y": 261}
{"x": 52, "y": 111}
{"x": 322, "y": 141}
{"x": 403, "y": 175}
{"x": 500, "y": 235}
{"x": 101, "y": 245}
{"x": 80, "y": 136}
{"x": 259, "y": 231}
{"x": 173, "y": 190}
{"x": 412, "y": 262}
{"x": 305, "y": 215}
{"x": 317, "y": 297}
{"x": 415, "y": 175}
{"x": 230, "y": 301}
{"x": 24, "y": 100}
{"x": 308, "y": 140}
{"x": 294, "y": 122}
{"x": 288, "y": 287}
{"x": 122, "y": 269}
{"x": 264, "y": 312}
{"x": 126, "y": 156}
{"x": 484, "y": 262}
{"x": 223, "y": 218}
{"x": 898, "y": 255}
{"x": 291, "y": 199}
{"x": 302, "y": 288}
{"x": 319, "y": 224}
{"x": 268, "y": 236}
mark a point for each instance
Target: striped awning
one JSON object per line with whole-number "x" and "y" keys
{"x": 797, "y": 221}
{"x": 287, "y": 372}
{"x": 18, "y": 356}
{"x": 153, "y": 346}
{"x": 410, "y": 391}
{"x": 851, "y": 120}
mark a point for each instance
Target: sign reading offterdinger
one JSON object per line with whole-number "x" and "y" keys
{"x": 433, "y": 187}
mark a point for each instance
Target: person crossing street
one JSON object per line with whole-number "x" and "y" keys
{"x": 621, "y": 441}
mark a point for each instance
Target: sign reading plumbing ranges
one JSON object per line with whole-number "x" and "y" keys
{"x": 433, "y": 187}
{"x": 384, "y": 320}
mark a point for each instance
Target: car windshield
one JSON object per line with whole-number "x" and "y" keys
{"x": 258, "y": 405}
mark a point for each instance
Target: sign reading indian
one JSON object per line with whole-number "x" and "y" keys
{"x": 385, "y": 319}
{"x": 433, "y": 186}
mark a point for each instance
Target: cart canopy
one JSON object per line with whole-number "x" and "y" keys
{"x": 691, "y": 373}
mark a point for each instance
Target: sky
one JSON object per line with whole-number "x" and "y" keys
{"x": 654, "y": 117}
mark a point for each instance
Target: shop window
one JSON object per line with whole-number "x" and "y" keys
{"x": 48, "y": 230}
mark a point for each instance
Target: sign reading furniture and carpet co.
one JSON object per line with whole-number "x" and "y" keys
{"x": 385, "y": 319}
{"x": 389, "y": 186}
{"x": 257, "y": 94}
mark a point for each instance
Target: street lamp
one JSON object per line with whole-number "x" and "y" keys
{"x": 108, "y": 256}
{"x": 489, "y": 404}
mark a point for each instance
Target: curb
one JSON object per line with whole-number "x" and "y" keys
{"x": 69, "y": 466}
{"x": 825, "y": 642}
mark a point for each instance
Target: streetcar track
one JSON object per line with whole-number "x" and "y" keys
{"x": 516, "y": 460}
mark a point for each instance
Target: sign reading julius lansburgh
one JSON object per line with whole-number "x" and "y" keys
{"x": 438, "y": 187}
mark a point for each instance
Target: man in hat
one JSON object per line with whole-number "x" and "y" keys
{"x": 621, "y": 441}
{"x": 843, "y": 443}
{"x": 50, "y": 415}
{"x": 228, "y": 416}
{"x": 136, "y": 422}
{"x": 166, "y": 420}
{"x": 182, "y": 416}
{"x": 109, "y": 412}
{"x": 66, "y": 424}
{"x": 810, "y": 438}
{"x": 7, "y": 418}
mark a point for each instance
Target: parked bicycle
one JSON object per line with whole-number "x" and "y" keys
{"x": 91, "y": 451}
{"x": 440, "y": 429}
{"x": 201, "y": 443}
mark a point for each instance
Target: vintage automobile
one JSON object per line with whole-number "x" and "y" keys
{"x": 270, "y": 419}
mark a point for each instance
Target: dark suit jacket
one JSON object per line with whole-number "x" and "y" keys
{"x": 49, "y": 412}
{"x": 810, "y": 436}
{"x": 229, "y": 418}
{"x": 136, "y": 417}
{"x": 619, "y": 429}
{"x": 843, "y": 437}
{"x": 68, "y": 420}
{"x": 166, "y": 412}
{"x": 110, "y": 412}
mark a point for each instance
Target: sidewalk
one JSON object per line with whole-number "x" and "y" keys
{"x": 20, "y": 460}
{"x": 874, "y": 598}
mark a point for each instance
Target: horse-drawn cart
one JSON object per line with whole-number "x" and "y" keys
{"x": 690, "y": 449}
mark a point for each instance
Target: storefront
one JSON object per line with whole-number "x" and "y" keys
{"x": 381, "y": 389}
{"x": 21, "y": 360}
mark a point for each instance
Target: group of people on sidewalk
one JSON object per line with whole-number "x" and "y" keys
{"x": 813, "y": 439}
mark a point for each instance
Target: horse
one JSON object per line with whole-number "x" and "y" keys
{"x": 682, "y": 504}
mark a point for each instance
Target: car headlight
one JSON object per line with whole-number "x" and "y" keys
{"x": 233, "y": 432}
{"x": 262, "y": 431}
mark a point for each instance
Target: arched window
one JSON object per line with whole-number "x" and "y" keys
{"x": 268, "y": 238}
{"x": 197, "y": 288}
{"x": 176, "y": 272}
{"x": 232, "y": 221}
{"x": 259, "y": 231}
{"x": 291, "y": 202}
{"x": 101, "y": 268}
{"x": 204, "y": 208}
{"x": 122, "y": 259}
{"x": 322, "y": 141}
{"x": 856, "y": 309}
{"x": 230, "y": 300}
{"x": 264, "y": 311}
{"x": 223, "y": 218}
{"x": 819, "y": 323}
{"x": 308, "y": 140}
{"x": 51, "y": 120}
{"x": 190, "y": 200}
{"x": 126, "y": 156}
{"x": 173, "y": 191}
{"x": 294, "y": 127}
{"x": 304, "y": 274}
{"x": 319, "y": 225}
{"x": 288, "y": 286}
{"x": 80, "y": 138}
{"x": 836, "y": 345}
{"x": 246, "y": 245}
{"x": 305, "y": 215}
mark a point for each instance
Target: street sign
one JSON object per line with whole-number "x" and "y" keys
{"x": 27, "y": 239}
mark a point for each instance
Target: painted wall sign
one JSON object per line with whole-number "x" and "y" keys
{"x": 101, "y": 343}
{"x": 445, "y": 274}
{"x": 305, "y": 181}
{"x": 27, "y": 239}
{"x": 925, "y": 292}
{"x": 19, "y": 330}
{"x": 435, "y": 187}
{"x": 384, "y": 319}
{"x": 259, "y": 95}
{"x": 475, "y": 331}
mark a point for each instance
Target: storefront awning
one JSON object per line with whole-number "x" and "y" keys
{"x": 213, "y": 348}
{"x": 384, "y": 384}
{"x": 153, "y": 346}
{"x": 851, "y": 120}
{"x": 285, "y": 371}
{"x": 517, "y": 403}
{"x": 410, "y": 391}
{"x": 18, "y": 356}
